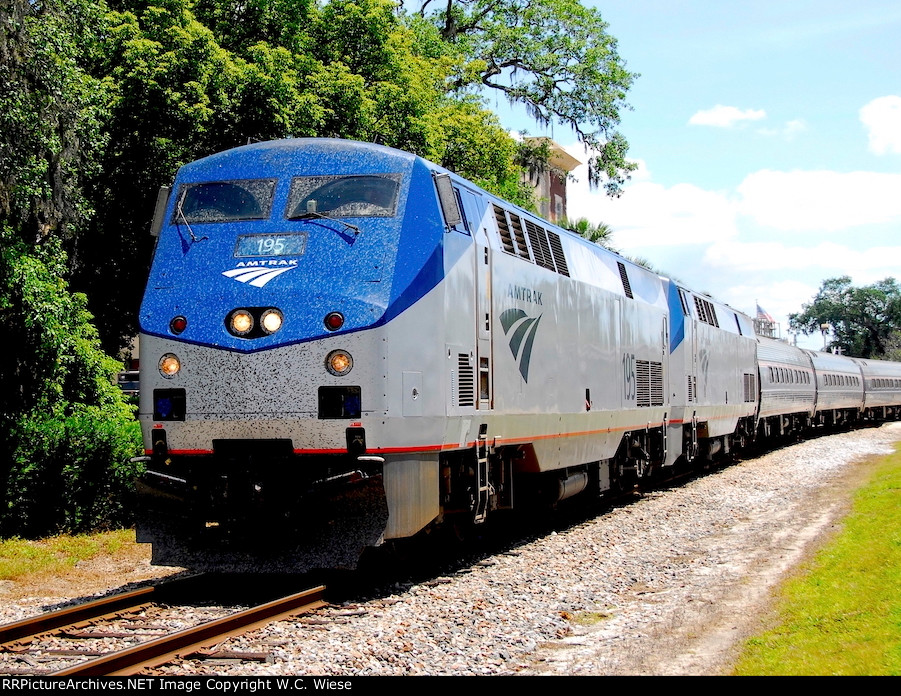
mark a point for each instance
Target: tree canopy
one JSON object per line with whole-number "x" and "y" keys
{"x": 864, "y": 321}
{"x": 553, "y": 57}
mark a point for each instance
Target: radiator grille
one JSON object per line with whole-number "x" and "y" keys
{"x": 649, "y": 383}
{"x": 750, "y": 386}
{"x": 466, "y": 383}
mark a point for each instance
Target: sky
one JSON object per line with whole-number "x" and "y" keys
{"x": 768, "y": 139}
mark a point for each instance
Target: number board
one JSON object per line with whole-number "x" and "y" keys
{"x": 292, "y": 244}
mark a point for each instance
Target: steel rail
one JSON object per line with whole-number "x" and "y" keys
{"x": 191, "y": 640}
{"x": 95, "y": 609}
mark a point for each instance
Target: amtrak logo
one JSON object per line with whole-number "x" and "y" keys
{"x": 522, "y": 338}
{"x": 256, "y": 275}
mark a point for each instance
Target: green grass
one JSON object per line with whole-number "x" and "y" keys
{"x": 20, "y": 558}
{"x": 842, "y": 614}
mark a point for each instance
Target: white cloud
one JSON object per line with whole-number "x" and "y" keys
{"x": 803, "y": 201}
{"x": 779, "y": 298}
{"x": 792, "y": 128}
{"x": 788, "y": 131}
{"x": 725, "y": 116}
{"x": 882, "y": 118}
{"x": 650, "y": 214}
{"x": 830, "y": 258}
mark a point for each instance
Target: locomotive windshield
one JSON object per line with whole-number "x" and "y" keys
{"x": 344, "y": 196}
{"x": 225, "y": 201}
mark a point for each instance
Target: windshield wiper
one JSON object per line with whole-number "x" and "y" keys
{"x": 181, "y": 214}
{"x": 314, "y": 214}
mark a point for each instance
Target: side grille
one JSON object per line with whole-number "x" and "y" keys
{"x": 519, "y": 237}
{"x": 466, "y": 382}
{"x": 750, "y": 386}
{"x": 706, "y": 312}
{"x": 649, "y": 383}
{"x": 625, "y": 278}
{"x": 503, "y": 228}
{"x": 546, "y": 246}
{"x": 557, "y": 252}
{"x": 540, "y": 247}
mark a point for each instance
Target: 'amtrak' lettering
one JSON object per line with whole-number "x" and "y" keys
{"x": 518, "y": 292}
{"x": 266, "y": 262}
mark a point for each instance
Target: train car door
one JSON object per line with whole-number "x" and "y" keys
{"x": 463, "y": 211}
{"x": 484, "y": 306}
{"x": 691, "y": 344}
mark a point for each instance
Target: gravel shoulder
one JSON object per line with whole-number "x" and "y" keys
{"x": 667, "y": 585}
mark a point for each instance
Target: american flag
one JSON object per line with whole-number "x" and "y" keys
{"x": 762, "y": 315}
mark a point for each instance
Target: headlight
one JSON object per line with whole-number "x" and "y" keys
{"x": 271, "y": 321}
{"x": 241, "y": 322}
{"x": 254, "y": 322}
{"x": 169, "y": 365}
{"x": 339, "y": 362}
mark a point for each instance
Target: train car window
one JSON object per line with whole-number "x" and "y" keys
{"x": 463, "y": 225}
{"x": 373, "y": 195}
{"x": 224, "y": 201}
{"x": 473, "y": 209}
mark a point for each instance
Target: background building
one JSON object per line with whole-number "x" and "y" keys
{"x": 550, "y": 183}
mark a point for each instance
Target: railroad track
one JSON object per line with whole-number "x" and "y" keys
{"x": 158, "y": 645}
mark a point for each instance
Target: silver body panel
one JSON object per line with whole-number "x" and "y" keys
{"x": 787, "y": 382}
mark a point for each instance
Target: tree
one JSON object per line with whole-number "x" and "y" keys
{"x": 861, "y": 319}
{"x": 68, "y": 436}
{"x": 51, "y": 110}
{"x": 67, "y": 433}
{"x": 555, "y": 58}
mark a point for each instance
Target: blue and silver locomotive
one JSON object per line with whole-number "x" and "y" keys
{"x": 343, "y": 344}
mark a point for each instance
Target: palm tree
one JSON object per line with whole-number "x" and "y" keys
{"x": 600, "y": 233}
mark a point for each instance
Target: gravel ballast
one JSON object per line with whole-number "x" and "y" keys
{"x": 665, "y": 585}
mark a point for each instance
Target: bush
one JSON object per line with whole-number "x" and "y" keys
{"x": 66, "y": 429}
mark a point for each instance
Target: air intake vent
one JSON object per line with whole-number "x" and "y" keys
{"x": 466, "y": 383}
{"x": 706, "y": 312}
{"x": 519, "y": 237}
{"x": 750, "y": 386}
{"x": 625, "y": 278}
{"x": 540, "y": 247}
{"x": 649, "y": 383}
{"x": 557, "y": 253}
{"x": 692, "y": 388}
{"x": 503, "y": 228}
